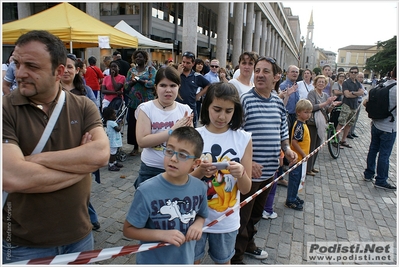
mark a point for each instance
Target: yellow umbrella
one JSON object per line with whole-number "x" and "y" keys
{"x": 73, "y": 26}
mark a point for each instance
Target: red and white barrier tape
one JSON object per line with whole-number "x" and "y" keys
{"x": 109, "y": 253}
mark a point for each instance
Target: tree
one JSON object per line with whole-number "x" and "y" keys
{"x": 317, "y": 70}
{"x": 383, "y": 61}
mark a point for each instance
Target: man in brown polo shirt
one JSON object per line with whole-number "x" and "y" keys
{"x": 45, "y": 213}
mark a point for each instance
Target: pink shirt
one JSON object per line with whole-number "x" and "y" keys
{"x": 108, "y": 84}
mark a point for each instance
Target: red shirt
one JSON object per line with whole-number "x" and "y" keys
{"x": 92, "y": 75}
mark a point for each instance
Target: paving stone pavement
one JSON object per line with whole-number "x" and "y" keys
{"x": 339, "y": 206}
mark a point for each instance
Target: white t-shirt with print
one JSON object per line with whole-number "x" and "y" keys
{"x": 223, "y": 193}
{"x": 161, "y": 120}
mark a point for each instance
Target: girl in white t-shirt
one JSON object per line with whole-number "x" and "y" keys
{"x": 224, "y": 141}
{"x": 156, "y": 119}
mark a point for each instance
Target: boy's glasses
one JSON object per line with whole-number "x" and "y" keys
{"x": 181, "y": 156}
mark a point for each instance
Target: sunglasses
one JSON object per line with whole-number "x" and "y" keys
{"x": 72, "y": 56}
{"x": 354, "y": 72}
{"x": 269, "y": 59}
{"x": 189, "y": 54}
{"x": 214, "y": 66}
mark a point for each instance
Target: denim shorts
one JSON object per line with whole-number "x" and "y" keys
{"x": 221, "y": 246}
{"x": 145, "y": 173}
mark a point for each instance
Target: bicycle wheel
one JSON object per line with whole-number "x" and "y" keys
{"x": 333, "y": 144}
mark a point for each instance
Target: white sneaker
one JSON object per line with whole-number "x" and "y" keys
{"x": 266, "y": 215}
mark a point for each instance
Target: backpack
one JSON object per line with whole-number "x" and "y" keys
{"x": 377, "y": 106}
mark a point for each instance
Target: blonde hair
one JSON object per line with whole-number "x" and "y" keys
{"x": 321, "y": 76}
{"x": 303, "y": 104}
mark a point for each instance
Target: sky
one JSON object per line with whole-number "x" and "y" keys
{"x": 342, "y": 23}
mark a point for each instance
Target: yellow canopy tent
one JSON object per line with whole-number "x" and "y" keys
{"x": 73, "y": 26}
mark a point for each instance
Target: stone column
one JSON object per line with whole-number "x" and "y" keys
{"x": 190, "y": 22}
{"x": 93, "y": 9}
{"x": 269, "y": 40}
{"x": 278, "y": 57}
{"x": 263, "y": 40}
{"x": 23, "y": 10}
{"x": 249, "y": 26}
{"x": 272, "y": 45}
{"x": 257, "y": 34}
{"x": 222, "y": 31}
{"x": 238, "y": 26}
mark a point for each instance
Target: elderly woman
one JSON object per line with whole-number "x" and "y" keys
{"x": 139, "y": 88}
{"x": 322, "y": 105}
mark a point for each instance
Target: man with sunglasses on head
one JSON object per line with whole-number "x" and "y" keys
{"x": 190, "y": 81}
{"x": 265, "y": 118}
{"x": 352, "y": 89}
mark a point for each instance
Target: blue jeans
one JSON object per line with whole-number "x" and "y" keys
{"x": 293, "y": 184}
{"x": 145, "y": 173}
{"x": 382, "y": 143}
{"x": 92, "y": 214}
{"x": 14, "y": 253}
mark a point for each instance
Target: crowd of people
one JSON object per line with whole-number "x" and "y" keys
{"x": 207, "y": 138}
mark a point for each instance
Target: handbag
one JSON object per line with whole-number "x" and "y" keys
{"x": 311, "y": 121}
{"x": 47, "y": 131}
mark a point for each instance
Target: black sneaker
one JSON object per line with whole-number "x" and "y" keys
{"x": 96, "y": 226}
{"x": 386, "y": 186}
{"x": 355, "y": 135}
{"x": 349, "y": 136}
{"x": 294, "y": 205}
{"x": 113, "y": 168}
{"x": 258, "y": 253}
{"x": 300, "y": 201}
{"x": 119, "y": 165}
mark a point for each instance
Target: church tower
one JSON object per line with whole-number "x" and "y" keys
{"x": 308, "y": 50}
{"x": 309, "y": 37}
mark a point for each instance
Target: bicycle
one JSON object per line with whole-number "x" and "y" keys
{"x": 333, "y": 144}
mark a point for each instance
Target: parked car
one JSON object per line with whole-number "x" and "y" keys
{"x": 367, "y": 81}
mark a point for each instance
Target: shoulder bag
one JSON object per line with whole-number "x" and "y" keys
{"x": 47, "y": 131}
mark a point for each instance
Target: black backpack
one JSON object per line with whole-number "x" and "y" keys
{"x": 377, "y": 106}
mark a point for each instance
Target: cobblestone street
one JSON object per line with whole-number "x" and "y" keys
{"x": 339, "y": 206}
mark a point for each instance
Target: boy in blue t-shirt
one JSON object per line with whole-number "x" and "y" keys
{"x": 172, "y": 206}
{"x": 300, "y": 143}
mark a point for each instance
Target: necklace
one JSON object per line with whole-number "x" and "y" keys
{"x": 163, "y": 105}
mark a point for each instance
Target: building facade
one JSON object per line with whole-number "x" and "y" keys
{"x": 357, "y": 55}
{"x": 267, "y": 28}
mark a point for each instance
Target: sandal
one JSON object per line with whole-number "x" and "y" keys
{"x": 345, "y": 144}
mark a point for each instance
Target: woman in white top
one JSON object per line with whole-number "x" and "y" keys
{"x": 243, "y": 82}
{"x": 306, "y": 85}
{"x": 157, "y": 119}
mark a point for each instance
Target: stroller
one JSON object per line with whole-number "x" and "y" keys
{"x": 118, "y": 104}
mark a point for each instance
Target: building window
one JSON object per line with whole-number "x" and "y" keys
{"x": 10, "y": 11}
{"x": 342, "y": 60}
{"x": 167, "y": 12}
{"x": 129, "y": 9}
{"x": 109, "y": 9}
